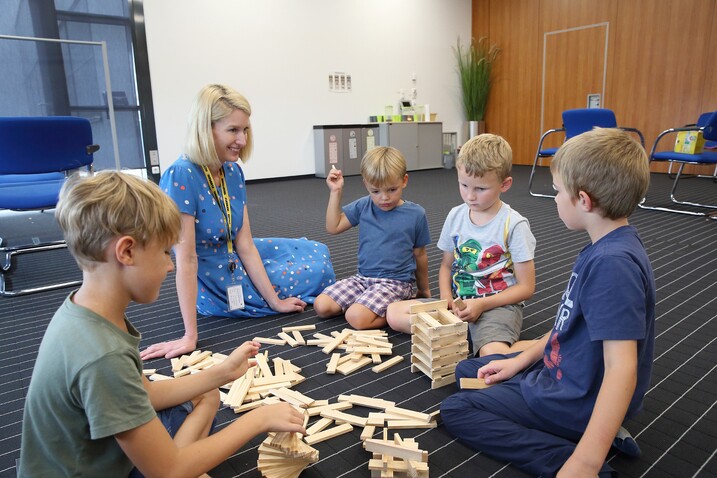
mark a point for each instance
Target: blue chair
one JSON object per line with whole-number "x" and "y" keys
{"x": 576, "y": 122}
{"x": 37, "y": 154}
{"x": 707, "y": 123}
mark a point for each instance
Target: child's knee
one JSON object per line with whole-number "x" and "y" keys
{"x": 361, "y": 318}
{"x": 325, "y": 307}
{"x": 453, "y": 409}
{"x": 467, "y": 369}
{"x": 398, "y": 318}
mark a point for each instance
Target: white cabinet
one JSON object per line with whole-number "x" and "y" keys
{"x": 421, "y": 143}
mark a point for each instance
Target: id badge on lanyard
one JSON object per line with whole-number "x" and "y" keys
{"x": 235, "y": 293}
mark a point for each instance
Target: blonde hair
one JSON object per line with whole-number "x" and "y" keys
{"x": 608, "y": 165}
{"x": 382, "y": 166}
{"x": 485, "y": 153}
{"x": 94, "y": 210}
{"x": 213, "y": 103}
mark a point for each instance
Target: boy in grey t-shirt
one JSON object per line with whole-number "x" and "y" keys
{"x": 488, "y": 252}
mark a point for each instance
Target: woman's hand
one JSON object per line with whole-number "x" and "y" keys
{"x": 171, "y": 349}
{"x": 290, "y": 304}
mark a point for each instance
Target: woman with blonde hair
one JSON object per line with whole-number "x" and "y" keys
{"x": 221, "y": 270}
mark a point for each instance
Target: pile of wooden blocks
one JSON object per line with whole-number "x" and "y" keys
{"x": 284, "y": 455}
{"x": 362, "y": 347}
{"x": 438, "y": 343}
{"x": 397, "y": 458}
{"x": 260, "y": 386}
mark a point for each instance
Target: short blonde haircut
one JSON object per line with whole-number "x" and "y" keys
{"x": 213, "y": 103}
{"x": 382, "y": 166}
{"x": 485, "y": 153}
{"x": 94, "y": 210}
{"x": 608, "y": 165}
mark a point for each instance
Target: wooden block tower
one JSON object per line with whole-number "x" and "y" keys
{"x": 439, "y": 342}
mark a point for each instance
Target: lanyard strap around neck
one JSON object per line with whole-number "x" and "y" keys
{"x": 227, "y": 209}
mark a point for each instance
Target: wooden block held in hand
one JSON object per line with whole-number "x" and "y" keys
{"x": 460, "y": 305}
{"x": 473, "y": 383}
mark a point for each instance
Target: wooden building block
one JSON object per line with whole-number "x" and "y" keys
{"x": 263, "y": 365}
{"x": 372, "y": 350}
{"x": 447, "y": 317}
{"x": 376, "y": 419}
{"x": 351, "y": 366}
{"x": 313, "y": 411}
{"x": 301, "y": 328}
{"x": 333, "y": 363}
{"x": 319, "y": 425}
{"x": 328, "y": 433}
{"x": 269, "y": 341}
{"x": 196, "y": 358}
{"x": 473, "y": 383}
{"x": 364, "y": 401}
{"x": 386, "y": 447}
{"x": 388, "y": 363}
{"x": 341, "y": 417}
{"x": 406, "y": 424}
{"x": 292, "y": 396}
{"x": 429, "y": 319}
{"x": 337, "y": 340}
{"x": 424, "y": 417}
{"x": 289, "y": 339}
{"x": 460, "y": 305}
{"x": 298, "y": 337}
{"x": 368, "y": 432}
{"x": 427, "y": 306}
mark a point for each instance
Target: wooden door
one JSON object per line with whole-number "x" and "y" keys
{"x": 574, "y": 66}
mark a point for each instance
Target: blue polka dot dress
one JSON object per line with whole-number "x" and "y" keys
{"x": 296, "y": 267}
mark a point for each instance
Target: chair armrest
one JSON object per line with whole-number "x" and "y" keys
{"x": 546, "y": 134}
{"x": 673, "y": 130}
{"x": 636, "y": 131}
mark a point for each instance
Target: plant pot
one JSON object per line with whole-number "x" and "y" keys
{"x": 475, "y": 128}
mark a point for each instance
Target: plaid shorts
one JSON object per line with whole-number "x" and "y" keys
{"x": 374, "y": 294}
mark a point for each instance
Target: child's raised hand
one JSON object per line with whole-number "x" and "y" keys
{"x": 281, "y": 417}
{"x": 335, "y": 179}
{"x": 238, "y": 361}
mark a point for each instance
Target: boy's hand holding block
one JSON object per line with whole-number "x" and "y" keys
{"x": 460, "y": 305}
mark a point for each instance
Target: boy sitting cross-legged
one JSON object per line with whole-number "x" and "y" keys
{"x": 557, "y": 407}
{"x": 393, "y": 234}
{"x": 488, "y": 252}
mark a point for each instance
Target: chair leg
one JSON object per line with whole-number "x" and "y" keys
{"x": 6, "y": 263}
{"x": 530, "y": 181}
{"x": 686, "y": 203}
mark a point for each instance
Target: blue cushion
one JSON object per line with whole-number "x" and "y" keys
{"x": 30, "y": 191}
{"x": 547, "y": 152}
{"x": 706, "y": 157}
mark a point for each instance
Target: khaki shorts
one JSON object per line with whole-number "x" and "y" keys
{"x": 501, "y": 324}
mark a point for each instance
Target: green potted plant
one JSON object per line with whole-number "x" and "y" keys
{"x": 475, "y": 64}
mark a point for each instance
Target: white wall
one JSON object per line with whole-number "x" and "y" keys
{"x": 279, "y": 53}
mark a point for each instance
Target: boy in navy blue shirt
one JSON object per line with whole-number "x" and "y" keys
{"x": 558, "y": 406}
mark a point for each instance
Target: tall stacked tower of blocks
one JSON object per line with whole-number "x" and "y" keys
{"x": 438, "y": 343}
